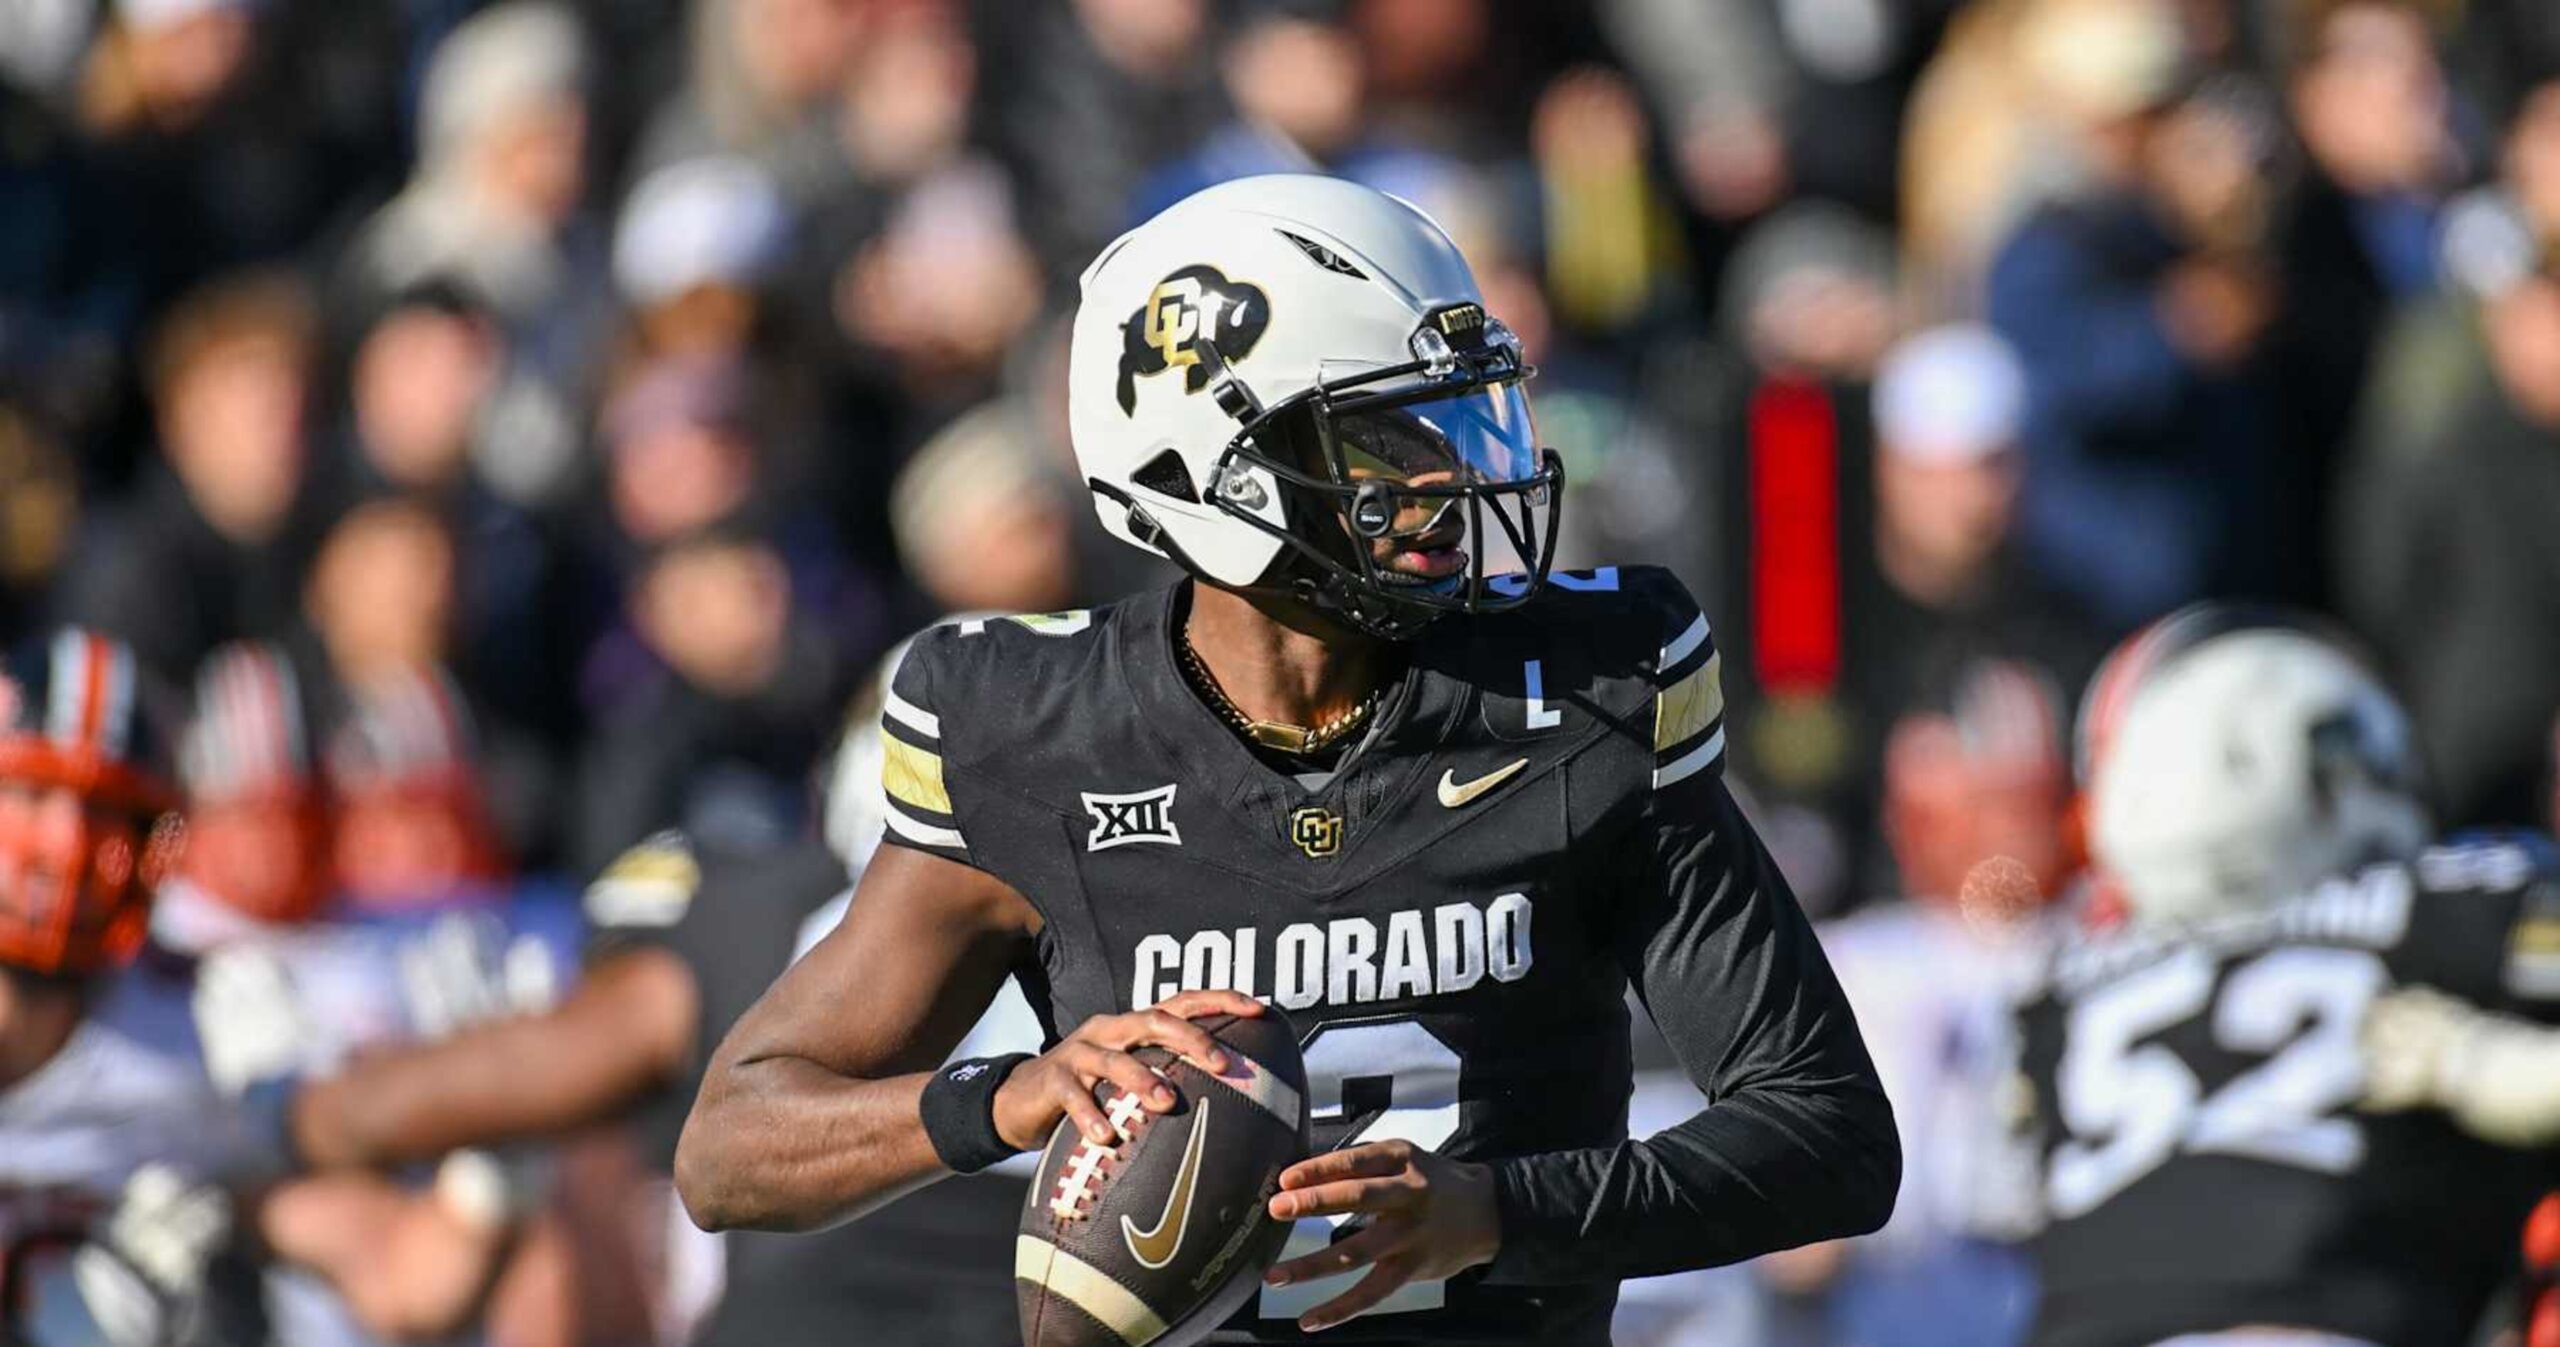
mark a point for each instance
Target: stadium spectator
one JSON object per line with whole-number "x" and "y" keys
{"x": 495, "y": 205}
{"x": 696, "y": 244}
{"x": 1982, "y": 146}
{"x": 1766, "y": 97}
{"x": 1095, "y": 93}
{"x": 1714, "y": 77}
{"x": 39, "y": 511}
{"x": 905, "y": 105}
{"x": 2455, "y": 571}
{"x": 720, "y": 679}
{"x": 1297, "y": 83}
{"x": 2432, "y": 356}
{"x": 423, "y": 392}
{"x": 381, "y": 594}
{"x": 680, "y": 454}
{"x": 2357, "y": 239}
{"x": 2137, "y": 307}
{"x": 1614, "y": 263}
{"x": 1950, "y": 417}
{"x": 2435, "y": 529}
{"x": 764, "y": 75}
{"x": 933, "y": 304}
{"x": 226, "y": 133}
{"x": 204, "y": 551}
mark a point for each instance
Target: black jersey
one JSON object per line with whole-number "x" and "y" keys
{"x": 932, "y": 1271}
{"x": 2203, "y": 1164}
{"x": 1452, "y": 918}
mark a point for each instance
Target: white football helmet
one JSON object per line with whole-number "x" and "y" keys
{"x": 2234, "y": 760}
{"x": 1290, "y": 382}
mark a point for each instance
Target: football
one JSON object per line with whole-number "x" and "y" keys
{"x": 1158, "y": 1236}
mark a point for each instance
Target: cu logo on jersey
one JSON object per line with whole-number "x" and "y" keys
{"x": 1194, "y": 307}
{"x": 1316, "y": 830}
{"x": 1121, "y": 820}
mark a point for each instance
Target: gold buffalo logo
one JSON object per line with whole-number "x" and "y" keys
{"x": 1194, "y": 307}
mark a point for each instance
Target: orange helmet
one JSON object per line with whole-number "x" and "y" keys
{"x": 258, "y": 828}
{"x": 88, "y": 822}
{"x": 409, "y": 810}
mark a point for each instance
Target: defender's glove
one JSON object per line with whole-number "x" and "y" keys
{"x": 2496, "y": 1075}
{"x": 146, "y": 1270}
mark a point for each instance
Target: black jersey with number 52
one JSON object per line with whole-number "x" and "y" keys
{"x": 2203, "y": 1162}
{"x": 1452, "y": 919}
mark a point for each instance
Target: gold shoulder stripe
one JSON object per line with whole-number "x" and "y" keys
{"x": 650, "y": 885}
{"x": 912, "y": 775}
{"x": 1690, "y": 705}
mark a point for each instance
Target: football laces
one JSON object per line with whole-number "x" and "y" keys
{"x": 1086, "y": 1164}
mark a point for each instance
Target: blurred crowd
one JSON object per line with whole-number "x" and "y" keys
{"x": 583, "y": 394}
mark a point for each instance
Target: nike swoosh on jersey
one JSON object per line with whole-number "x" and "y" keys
{"x": 1453, "y": 794}
{"x": 1155, "y": 1248}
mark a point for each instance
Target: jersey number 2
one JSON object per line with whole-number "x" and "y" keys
{"x": 1409, "y": 1078}
{"x": 2129, "y": 1108}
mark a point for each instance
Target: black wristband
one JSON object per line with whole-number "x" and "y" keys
{"x": 959, "y": 1111}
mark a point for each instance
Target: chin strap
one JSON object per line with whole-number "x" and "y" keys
{"x": 1336, "y": 597}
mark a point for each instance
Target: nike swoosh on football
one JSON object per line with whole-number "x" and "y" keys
{"x": 1453, "y": 794}
{"x": 1155, "y": 1248}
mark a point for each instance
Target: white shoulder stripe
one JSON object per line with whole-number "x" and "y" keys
{"x": 62, "y": 702}
{"x": 1684, "y": 645}
{"x": 924, "y": 832}
{"x": 1251, "y": 1079}
{"x": 912, "y": 716}
{"x": 1688, "y": 764}
{"x": 1086, "y": 1287}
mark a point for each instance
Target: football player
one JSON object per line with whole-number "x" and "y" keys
{"x": 123, "y": 1172}
{"x": 281, "y": 989}
{"x": 2252, "y": 1111}
{"x": 684, "y": 935}
{"x": 1440, "y": 812}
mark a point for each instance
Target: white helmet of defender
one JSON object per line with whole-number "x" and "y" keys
{"x": 1280, "y": 378}
{"x": 2245, "y": 767}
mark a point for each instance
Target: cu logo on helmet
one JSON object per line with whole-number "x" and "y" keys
{"x": 1194, "y": 307}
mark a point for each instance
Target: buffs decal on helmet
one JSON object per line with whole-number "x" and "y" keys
{"x": 1194, "y": 307}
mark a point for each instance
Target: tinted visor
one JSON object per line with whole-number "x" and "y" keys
{"x": 1477, "y": 436}
{"x": 1446, "y": 481}
{"x": 1414, "y": 489}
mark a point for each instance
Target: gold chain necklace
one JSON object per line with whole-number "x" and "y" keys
{"x": 1278, "y": 736}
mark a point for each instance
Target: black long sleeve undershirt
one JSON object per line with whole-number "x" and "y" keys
{"x": 1798, "y": 1143}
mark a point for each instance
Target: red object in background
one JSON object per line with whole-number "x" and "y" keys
{"x": 2542, "y": 1237}
{"x": 1795, "y": 537}
{"x": 2542, "y": 1267}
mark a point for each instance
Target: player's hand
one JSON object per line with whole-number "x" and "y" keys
{"x": 1429, "y": 1218}
{"x": 2498, "y": 1076}
{"x": 1060, "y": 1082}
